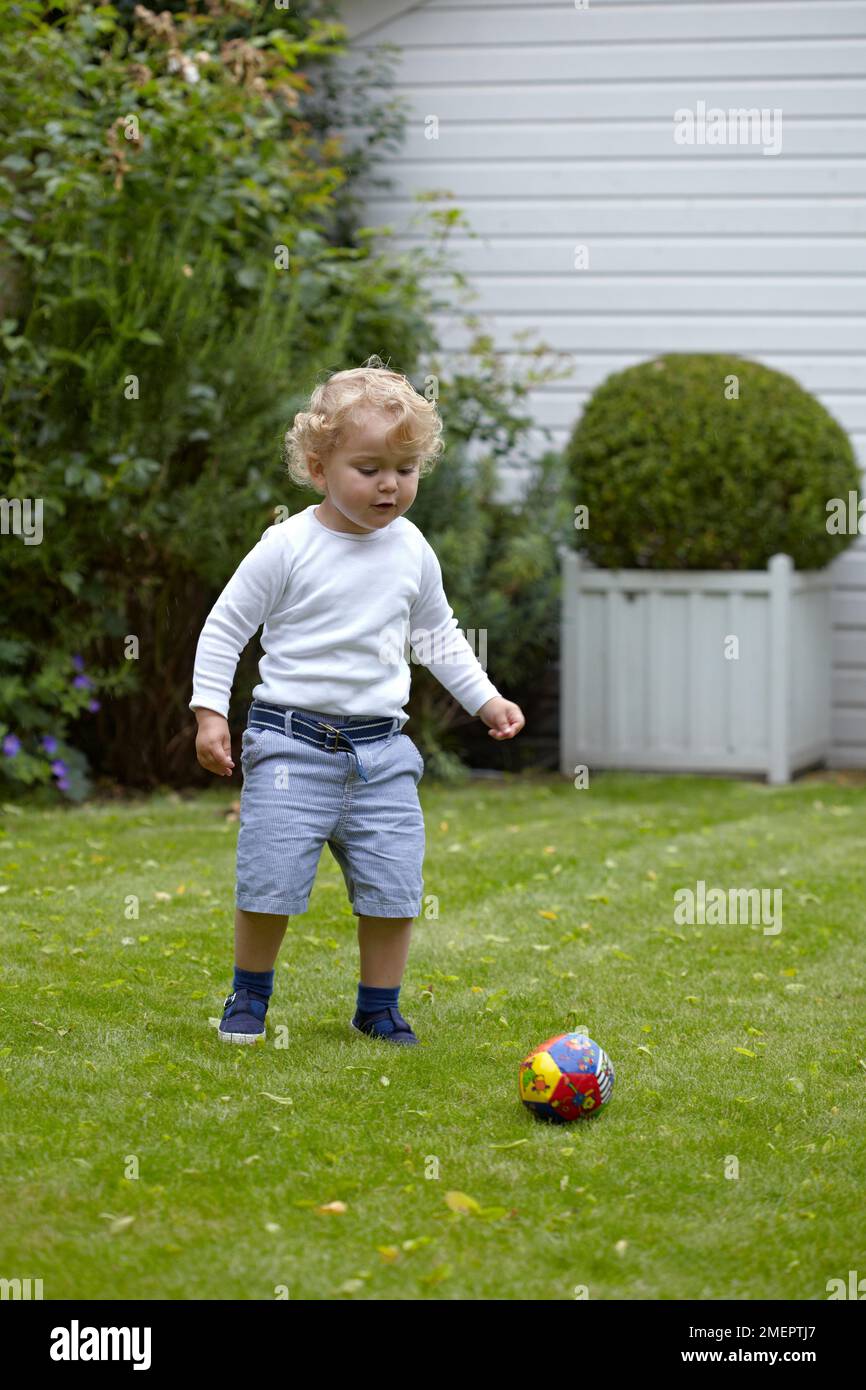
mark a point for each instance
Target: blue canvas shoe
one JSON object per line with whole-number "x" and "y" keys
{"x": 244, "y": 1018}
{"x": 388, "y": 1024}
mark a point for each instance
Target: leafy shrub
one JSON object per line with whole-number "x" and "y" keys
{"x": 154, "y": 343}
{"x": 179, "y": 267}
{"x": 675, "y": 475}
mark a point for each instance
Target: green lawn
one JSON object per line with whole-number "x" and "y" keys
{"x": 555, "y": 910}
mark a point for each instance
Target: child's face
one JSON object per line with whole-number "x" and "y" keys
{"x": 361, "y": 476}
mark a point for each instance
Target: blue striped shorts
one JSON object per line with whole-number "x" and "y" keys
{"x": 297, "y": 797}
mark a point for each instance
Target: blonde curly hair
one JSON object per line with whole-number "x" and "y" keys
{"x": 319, "y": 431}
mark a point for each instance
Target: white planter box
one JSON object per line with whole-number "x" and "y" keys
{"x": 645, "y": 683}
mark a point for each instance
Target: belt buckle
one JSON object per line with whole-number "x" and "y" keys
{"x": 330, "y": 732}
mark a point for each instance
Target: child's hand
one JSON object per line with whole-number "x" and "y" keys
{"x": 503, "y": 718}
{"x": 213, "y": 744}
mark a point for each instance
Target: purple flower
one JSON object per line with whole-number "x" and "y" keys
{"x": 59, "y": 768}
{"x": 78, "y": 662}
{"x": 94, "y": 706}
{"x": 82, "y": 682}
{"x": 63, "y": 784}
{"x": 11, "y": 745}
{"x": 49, "y": 743}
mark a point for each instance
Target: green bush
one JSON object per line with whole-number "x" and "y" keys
{"x": 155, "y": 340}
{"x": 677, "y": 472}
{"x": 155, "y": 343}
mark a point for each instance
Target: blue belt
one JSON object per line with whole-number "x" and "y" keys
{"x": 325, "y": 731}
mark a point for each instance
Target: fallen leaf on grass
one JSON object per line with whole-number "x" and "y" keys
{"x": 417, "y": 1243}
{"x": 460, "y": 1201}
{"x": 118, "y": 1223}
{"x": 281, "y": 1100}
{"x": 336, "y": 1208}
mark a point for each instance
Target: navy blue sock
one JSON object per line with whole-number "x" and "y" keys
{"x": 260, "y": 983}
{"x": 373, "y": 998}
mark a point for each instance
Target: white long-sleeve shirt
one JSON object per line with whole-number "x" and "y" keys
{"x": 339, "y": 611}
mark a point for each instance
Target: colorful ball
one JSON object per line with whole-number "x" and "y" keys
{"x": 566, "y": 1078}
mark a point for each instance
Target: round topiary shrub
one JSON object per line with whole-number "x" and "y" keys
{"x": 679, "y": 472}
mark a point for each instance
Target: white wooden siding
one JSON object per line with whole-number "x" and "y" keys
{"x": 555, "y": 130}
